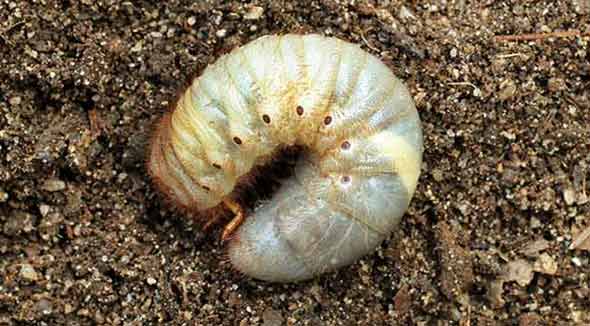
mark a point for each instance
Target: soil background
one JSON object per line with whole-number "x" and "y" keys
{"x": 497, "y": 233}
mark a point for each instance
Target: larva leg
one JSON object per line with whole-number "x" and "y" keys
{"x": 236, "y": 221}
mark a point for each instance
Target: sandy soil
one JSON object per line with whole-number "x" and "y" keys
{"x": 496, "y": 234}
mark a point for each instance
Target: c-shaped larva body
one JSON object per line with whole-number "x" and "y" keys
{"x": 362, "y": 140}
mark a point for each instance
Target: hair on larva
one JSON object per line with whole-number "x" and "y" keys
{"x": 362, "y": 151}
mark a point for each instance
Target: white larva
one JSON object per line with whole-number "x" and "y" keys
{"x": 363, "y": 151}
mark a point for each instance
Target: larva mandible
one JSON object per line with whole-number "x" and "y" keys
{"x": 363, "y": 151}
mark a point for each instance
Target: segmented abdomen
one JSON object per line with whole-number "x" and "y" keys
{"x": 355, "y": 119}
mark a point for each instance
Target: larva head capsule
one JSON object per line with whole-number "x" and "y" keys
{"x": 363, "y": 151}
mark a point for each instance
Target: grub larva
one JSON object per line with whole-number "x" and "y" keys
{"x": 362, "y": 155}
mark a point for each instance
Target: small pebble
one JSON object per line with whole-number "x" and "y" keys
{"x": 507, "y": 90}
{"x": 254, "y": 13}
{"x": 14, "y": 101}
{"x": 28, "y": 273}
{"x": 221, "y": 33}
{"x": 44, "y": 209}
{"x": 405, "y": 13}
{"x": 151, "y": 281}
{"x": 68, "y": 309}
{"x": 272, "y": 317}
{"x": 52, "y": 185}
{"x": 569, "y": 196}
{"x": 453, "y": 52}
{"x": 44, "y": 306}
{"x": 156, "y": 34}
{"x": 3, "y": 196}
{"x": 535, "y": 223}
{"x": 19, "y": 222}
{"x": 556, "y": 84}
{"x": 545, "y": 264}
{"x": 437, "y": 175}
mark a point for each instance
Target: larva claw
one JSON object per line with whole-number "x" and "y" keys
{"x": 236, "y": 221}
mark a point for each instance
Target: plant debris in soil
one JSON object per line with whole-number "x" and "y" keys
{"x": 497, "y": 233}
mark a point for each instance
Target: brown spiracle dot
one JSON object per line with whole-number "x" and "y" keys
{"x": 217, "y": 166}
{"x": 237, "y": 141}
{"x": 327, "y": 120}
{"x": 345, "y": 145}
{"x": 345, "y": 179}
{"x": 266, "y": 118}
{"x": 206, "y": 188}
{"x": 300, "y": 110}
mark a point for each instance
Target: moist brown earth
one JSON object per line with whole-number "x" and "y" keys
{"x": 497, "y": 233}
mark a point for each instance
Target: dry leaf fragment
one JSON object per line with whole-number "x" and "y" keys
{"x": 519, "y": 271}
{"x": 581, "y": 240}
{"x": 532, "y": 249}
{"x": 545, "y": 264}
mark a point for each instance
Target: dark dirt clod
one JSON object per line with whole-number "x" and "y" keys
{"x": 84, "y": 238}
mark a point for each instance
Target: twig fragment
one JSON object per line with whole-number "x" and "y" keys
{"x": 510, "y": 55}
{"x": 538, "y": 36}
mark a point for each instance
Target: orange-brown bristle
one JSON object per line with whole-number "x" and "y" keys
{"x": 156, "y": 165}
{"x": 155, "y": 159}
